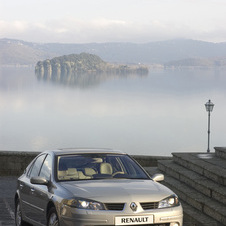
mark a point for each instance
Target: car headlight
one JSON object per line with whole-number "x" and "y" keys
{"x": 84, "y": 204}
{"x": 170, "y": 201}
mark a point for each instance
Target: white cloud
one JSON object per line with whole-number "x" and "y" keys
{"x": 106, "y": 21}
{"x": 74, "y": 30}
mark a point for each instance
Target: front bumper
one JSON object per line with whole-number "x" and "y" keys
{"x": 77, "y": 217}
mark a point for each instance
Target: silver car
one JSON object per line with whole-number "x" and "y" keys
{"x": 93, "y": 187}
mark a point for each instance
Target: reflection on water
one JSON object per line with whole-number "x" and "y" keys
{"x": 156, "y": 114}
{"x": 83, "y": 80}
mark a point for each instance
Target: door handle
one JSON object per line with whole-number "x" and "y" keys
{"x": 32, "y": 190}
{"x": 21, "y": 186}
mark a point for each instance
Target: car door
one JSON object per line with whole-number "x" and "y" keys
{"x": 42, "y": 193}
{"x": 26, "y": 189}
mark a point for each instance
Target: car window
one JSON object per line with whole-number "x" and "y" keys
{"x": 46, "y": 168}
{"x": 116, "y": 164}
{"x": 98, "y": 166}
{"x": 35, "y": 168}
{"x": 132, "y": 168}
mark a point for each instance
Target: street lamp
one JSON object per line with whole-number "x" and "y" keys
{"x": 209, "y": 107}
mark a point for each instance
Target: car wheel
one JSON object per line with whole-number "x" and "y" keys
{"x": 18, "y": 215}
{"x": 52, "y": 219}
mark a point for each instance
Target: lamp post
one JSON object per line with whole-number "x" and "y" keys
{"x": 209, "y": 107}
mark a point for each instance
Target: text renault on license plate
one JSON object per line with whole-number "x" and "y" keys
{"x": 128, "y": 220}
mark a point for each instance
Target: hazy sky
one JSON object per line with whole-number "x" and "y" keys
{"x": 82, "y": 21}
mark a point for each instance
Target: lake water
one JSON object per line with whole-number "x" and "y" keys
{"x": 156, "y": 114}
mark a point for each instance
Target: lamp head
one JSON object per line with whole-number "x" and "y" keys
{"x": 209, "y": 106}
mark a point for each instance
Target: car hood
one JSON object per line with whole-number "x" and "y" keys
{"x": 118, "y": 190}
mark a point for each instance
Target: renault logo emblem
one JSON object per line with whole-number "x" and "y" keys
{"x": 133, "y": 206}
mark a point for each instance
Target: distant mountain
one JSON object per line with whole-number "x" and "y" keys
{"x": 198, "y": 62}
{"x": 16, "y": 52}
{"x": 13, "y": 52}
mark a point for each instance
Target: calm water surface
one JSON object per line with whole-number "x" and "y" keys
{"x": 156, "y": 114}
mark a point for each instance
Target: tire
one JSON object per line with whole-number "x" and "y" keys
{"x": 18, "y": 215}
{"x": 52, "y": 219}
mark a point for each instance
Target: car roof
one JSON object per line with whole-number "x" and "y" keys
{"x": 69, "y": 151}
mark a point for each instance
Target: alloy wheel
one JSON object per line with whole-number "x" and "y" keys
{"x": 53, "y": 220}
{"x": 18, "y": 217}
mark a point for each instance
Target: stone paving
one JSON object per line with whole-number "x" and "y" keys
{"x": 7, "y": 191}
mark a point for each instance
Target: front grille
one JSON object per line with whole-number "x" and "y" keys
{"x": 114, "y": 206}
{"x": 167, "y": 224}
{"x": 149, "y": 205}
{"x": 150, "y": 225}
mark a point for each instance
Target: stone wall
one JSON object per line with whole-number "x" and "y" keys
{"x": 149, "y": 161}
{"x": 13, "y": 163}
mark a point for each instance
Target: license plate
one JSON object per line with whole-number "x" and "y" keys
{"x": 128, "y": 220}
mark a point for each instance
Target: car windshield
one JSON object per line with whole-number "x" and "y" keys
{"x": 98, "y": 166}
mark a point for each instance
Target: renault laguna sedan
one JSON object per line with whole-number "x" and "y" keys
{"x": 93, "y": 187}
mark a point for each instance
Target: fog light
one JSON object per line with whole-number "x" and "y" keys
{"x": 63, "y": 210}
{"x": 174, "y": 224}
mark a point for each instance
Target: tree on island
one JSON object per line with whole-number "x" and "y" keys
{"x": 78, "y": 64}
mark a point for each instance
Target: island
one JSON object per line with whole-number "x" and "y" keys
{"x": 83, "y": 63}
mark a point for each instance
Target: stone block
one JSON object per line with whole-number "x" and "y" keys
{"x": 219, "y": 196}
{"x": 161, "y": 166}
{"x": 214, "y": 174}
{"x": 220, "y": 152}
{"x": 195, "y": 202}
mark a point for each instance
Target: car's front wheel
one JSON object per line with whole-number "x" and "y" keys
{"x": 52, "y": 219}
{"x": 18, "y": 215}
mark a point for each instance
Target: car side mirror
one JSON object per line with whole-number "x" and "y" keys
{"x": 39, "y": 180}
{"x": 158, "y": 177}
